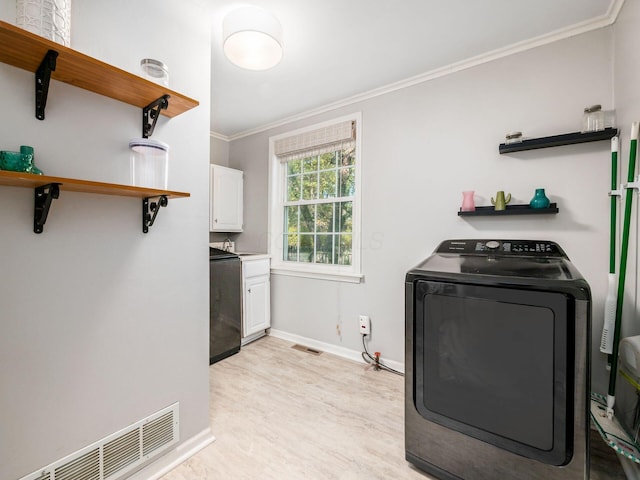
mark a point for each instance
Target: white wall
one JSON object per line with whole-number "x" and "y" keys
{"x": 219, "y": 151}
{"x": 424, "y": 145}
{"x": 251, "y": 156}
{"x": 101, "y": 325}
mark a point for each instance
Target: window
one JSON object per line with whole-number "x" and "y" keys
{"x": 315, "y": 201}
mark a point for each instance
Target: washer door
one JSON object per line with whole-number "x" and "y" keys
{"x": 494, "y": 363}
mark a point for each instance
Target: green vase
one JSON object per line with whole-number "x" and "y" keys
{"x": 539, "y": 199}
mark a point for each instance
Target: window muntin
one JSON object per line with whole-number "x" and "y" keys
{"x": 318, "y": 208}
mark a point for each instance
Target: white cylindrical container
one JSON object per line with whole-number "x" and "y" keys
{"x": 48, "y": 18}
{"x": 149, "y": 160}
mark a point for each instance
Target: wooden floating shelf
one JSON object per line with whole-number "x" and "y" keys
{"x": 510, "y": 210}
{"x": 48, "y": 188}
{"x": 29, "y": 180}
{"x": 558, "y": 140}
{"x": 26, "y": 50}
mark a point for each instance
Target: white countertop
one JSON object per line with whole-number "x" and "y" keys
{"x": 245, "y": 255}
{"x": 248, "y": 256}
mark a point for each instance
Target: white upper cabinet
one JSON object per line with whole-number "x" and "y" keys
{"x": 225, "y": 210}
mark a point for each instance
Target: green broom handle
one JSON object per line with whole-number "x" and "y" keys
{"x": 623, "y": 257}
{"x": 614, "y": 203}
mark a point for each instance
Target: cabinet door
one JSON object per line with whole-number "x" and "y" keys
{"x": 226, "y": 199}
{"x": 257, "y": 305}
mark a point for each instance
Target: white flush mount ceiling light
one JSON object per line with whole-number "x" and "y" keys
{"x": 252, "y": 38}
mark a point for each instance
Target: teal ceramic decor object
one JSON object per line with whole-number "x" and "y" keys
{"x": 27, "y": 151}
{"x": 21, "y": 161}
{"x": 539, "y": 199}
{"x": 13, "y": 161}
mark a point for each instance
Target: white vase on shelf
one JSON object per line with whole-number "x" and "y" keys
{"x": 48, "y": 18}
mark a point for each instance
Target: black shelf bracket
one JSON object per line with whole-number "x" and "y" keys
{"x": 44, "y": 195}
{"x": 43, "y": 76}
{"x": 149, "y": 208}
{"x": 150, "y": 115}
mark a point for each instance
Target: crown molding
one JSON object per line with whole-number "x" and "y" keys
{"x": 614, "y": 10}
{"x": 577, "y": 29}
{"x": 220, "y": 136}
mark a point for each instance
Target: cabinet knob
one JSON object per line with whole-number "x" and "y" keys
{"x": 215, "y": 220}
{"x": 249, "y": 290}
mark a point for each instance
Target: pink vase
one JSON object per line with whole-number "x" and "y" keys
{"x": 468, "y": 205}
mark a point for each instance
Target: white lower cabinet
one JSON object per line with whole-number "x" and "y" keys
{"x": 256, "y": 296}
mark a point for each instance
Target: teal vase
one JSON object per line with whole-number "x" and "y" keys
{"x": 539, "y": 200}
{"x": 28, "y": 156}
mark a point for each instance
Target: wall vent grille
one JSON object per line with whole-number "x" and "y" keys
{"x": 118, "y": 453}
{"x": 122, "y": 451}
{"x": 86, "y": 467}
{"x": 157, "y": 433}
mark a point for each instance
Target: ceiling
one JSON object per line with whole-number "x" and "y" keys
{"x": 338, "y": 49}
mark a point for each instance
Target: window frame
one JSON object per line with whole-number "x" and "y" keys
{"x": 277, "y": 202}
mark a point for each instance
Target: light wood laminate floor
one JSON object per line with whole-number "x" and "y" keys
{"x": 282, "y": 414}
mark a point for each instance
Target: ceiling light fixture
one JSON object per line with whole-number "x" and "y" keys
{"x": 252, "y": 38}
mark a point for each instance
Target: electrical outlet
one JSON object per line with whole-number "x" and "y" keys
{"x": 365, "y": 325}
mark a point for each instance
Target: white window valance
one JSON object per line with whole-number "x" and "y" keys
{"x": 316, "y": 142}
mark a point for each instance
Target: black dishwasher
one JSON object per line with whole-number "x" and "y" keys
{"x": 225, "y": 311}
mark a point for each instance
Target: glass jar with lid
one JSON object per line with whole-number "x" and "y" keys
{"x": 593, "y": 119}
{"x": 513, "y": 137}
{"x": 155, "y": 70}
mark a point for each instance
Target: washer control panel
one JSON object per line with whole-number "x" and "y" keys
{"x": 542, "y": 248}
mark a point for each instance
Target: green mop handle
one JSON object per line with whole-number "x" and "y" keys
{"x": 623, "y": 257}
{"x": 614, "y": 203}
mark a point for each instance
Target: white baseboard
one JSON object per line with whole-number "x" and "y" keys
{"x": 333, "y": 349}
{"x": 175, "y": 457}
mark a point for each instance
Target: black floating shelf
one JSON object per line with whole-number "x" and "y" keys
{"x": 558, "y": 140}
{"x": 511, "y": 210}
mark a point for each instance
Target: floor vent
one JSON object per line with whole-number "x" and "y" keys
{"x": 302, "y": 348}
{"x": 119, "y": 453}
